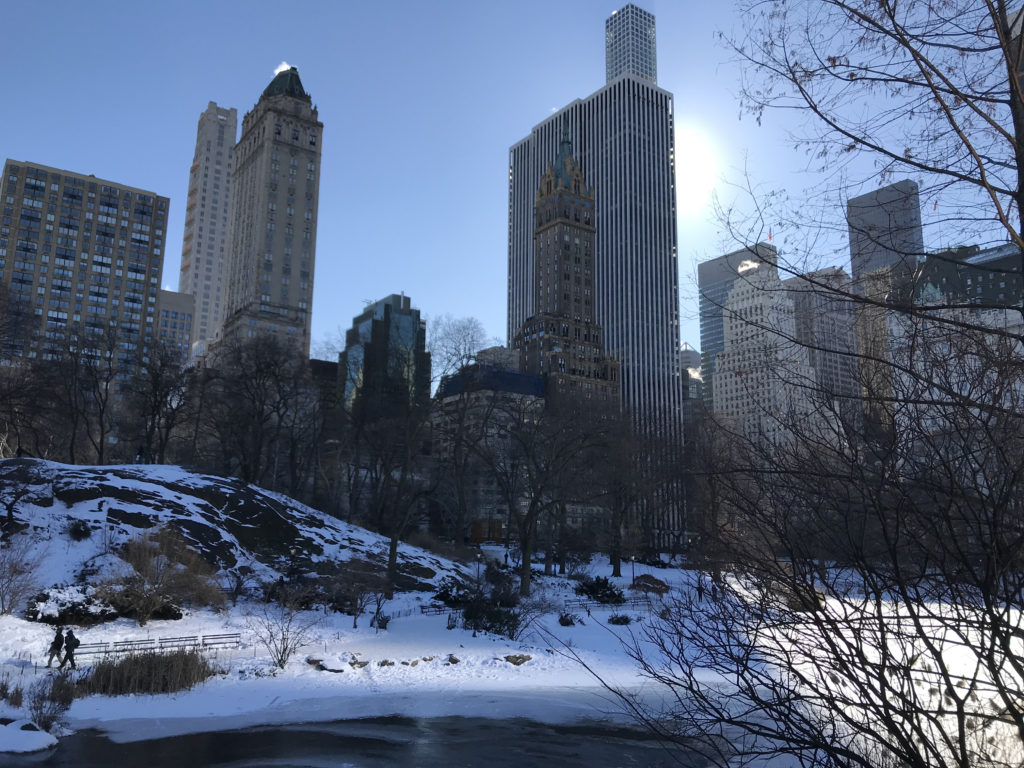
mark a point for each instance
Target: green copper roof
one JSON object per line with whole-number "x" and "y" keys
{"x": 564, "y": 153}
{"x": 286, "y": 82}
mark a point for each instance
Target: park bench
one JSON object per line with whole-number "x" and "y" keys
{"x": 433, "y": 610}
{"x": 181, "y": 643}
{"x": 227, "y": 640}
{"x": 92, "y": 649}
{"x": 134, "y": 646}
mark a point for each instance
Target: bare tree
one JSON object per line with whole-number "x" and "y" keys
{"x": 283, "y": 629}
{"x": 930, "y": 90}
{"x": 536, "y": 454}
{"x": 158, "y": 394}
{"x": 257, "y": 413}
{"x": 18, "y": 565}
{"x": 867, "y": 566}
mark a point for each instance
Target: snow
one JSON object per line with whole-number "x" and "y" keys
{"x": 410, "y": 671}
{"x": 418, "y": 678}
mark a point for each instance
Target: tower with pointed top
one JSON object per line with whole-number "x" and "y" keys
{"x": 275, "y": 188}
{"x": 624, "y": 142}
{"x": 562, "y": 341}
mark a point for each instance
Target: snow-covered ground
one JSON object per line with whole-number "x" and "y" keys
{"x": 417, "y": 667}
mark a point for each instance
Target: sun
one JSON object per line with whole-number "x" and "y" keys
{"x": 697, "y": 170}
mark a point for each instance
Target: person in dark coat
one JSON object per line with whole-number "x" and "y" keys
{"x": 70, "y": 644}
{"x": 55, "y": 647}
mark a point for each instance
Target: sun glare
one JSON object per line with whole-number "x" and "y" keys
{"x": 697, "y": 171}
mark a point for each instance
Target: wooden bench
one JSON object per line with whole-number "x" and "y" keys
{"x": 433, "y": 610}
{"x": 228, "y": 640}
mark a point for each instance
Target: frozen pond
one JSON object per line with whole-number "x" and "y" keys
{"x": 448, "y": 742}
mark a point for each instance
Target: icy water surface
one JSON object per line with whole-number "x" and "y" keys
{"x": 373, "y": 743}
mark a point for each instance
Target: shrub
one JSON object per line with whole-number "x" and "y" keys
{"x": 78, "y": 604}
{"x": 282, "y": 629}
{"x": 619, "y": 618}
{"x": 49, "y": 699}
{"x": 567, "y": 619}
{"x": 79, "y": 530}
{"x": 600, "y": 590}
{"x": 649, "y": 585}
{"x": 486, "y": 616}
{"x": 14, "y": 698}
{"x": 164, "y": 570}
{"x": 18, "y": 564}
{"x": 453, "y": 593}
{"x": 5, "y": 687}
{"x": 145, "y": 673}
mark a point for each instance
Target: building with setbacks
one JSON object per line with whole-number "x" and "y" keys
{"x": 275, "y": 187}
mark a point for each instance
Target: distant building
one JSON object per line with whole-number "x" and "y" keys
{"x": 969, "y": 275}
{"x": 275, "y": 188}
{"x": 385, "y": 367}
{"x": 825, "y": 315}
{"x": 630, "y": 44}
{"x": 81, "y": 259}
{"x": 715, "y": 279}
{"x": 624, "y": 142}
{"x": 470, "y": 403}
{"x": 561, "y": 342}
{"x": 763, "y": 380}
{"x": 205, "y": 244}
{"x": 885, "y": 228}
{"x": 175, "y": 319}
{"x": 689, "y": 357}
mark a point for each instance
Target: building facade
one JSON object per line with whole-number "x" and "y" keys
{"x": 384, "y": 370}
{"x": 630, "y": 44}
{"x": 825, "y": 325}
{"x": 763, "y": 379}
{"x": 715, "y": 279}
{"x": 274, "y": 192}
{"x": 623, "y": 140}
{"x": 205, "y": 244}
{"x": 81, "y": 260}
{"x": 175, "y": 321}
{"x": 562, "y": 342}
{"x": 885, "y": 228}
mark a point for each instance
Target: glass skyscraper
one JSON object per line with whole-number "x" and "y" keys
{"x": 630, "y": 45}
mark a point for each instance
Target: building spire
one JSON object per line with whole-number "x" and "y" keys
{"x": 564, "y": 158}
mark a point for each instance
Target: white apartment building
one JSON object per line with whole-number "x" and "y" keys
{"x": 205, "y": 243}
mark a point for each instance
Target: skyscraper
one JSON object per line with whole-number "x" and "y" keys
{"x": 81, "y": 259}
{"x": 715, "y": 279}
{"x": 885, "y": 228}
{"x": 204, "y": 247}
{"x": 630, "y": 44}
{"x": 562, "y": 342}
{"x": 385, "y": 368}
{"x": 275, "y": 186}
{"x": 763, "y": 382}
{"x": 623, "y": 140}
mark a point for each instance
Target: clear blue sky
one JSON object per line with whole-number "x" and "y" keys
{"x": 420, "y": 102}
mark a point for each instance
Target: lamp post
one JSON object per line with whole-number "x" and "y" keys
{"x": 479, "y": 557}
{"x": 632, "y": 559}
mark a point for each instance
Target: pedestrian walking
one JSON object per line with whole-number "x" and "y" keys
{"x": 55, "y": 647}
{"x": 700, "y": 588}
{"x": 70, "y": 644}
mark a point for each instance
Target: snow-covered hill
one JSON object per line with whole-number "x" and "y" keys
{"x": 76, "y": 518}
